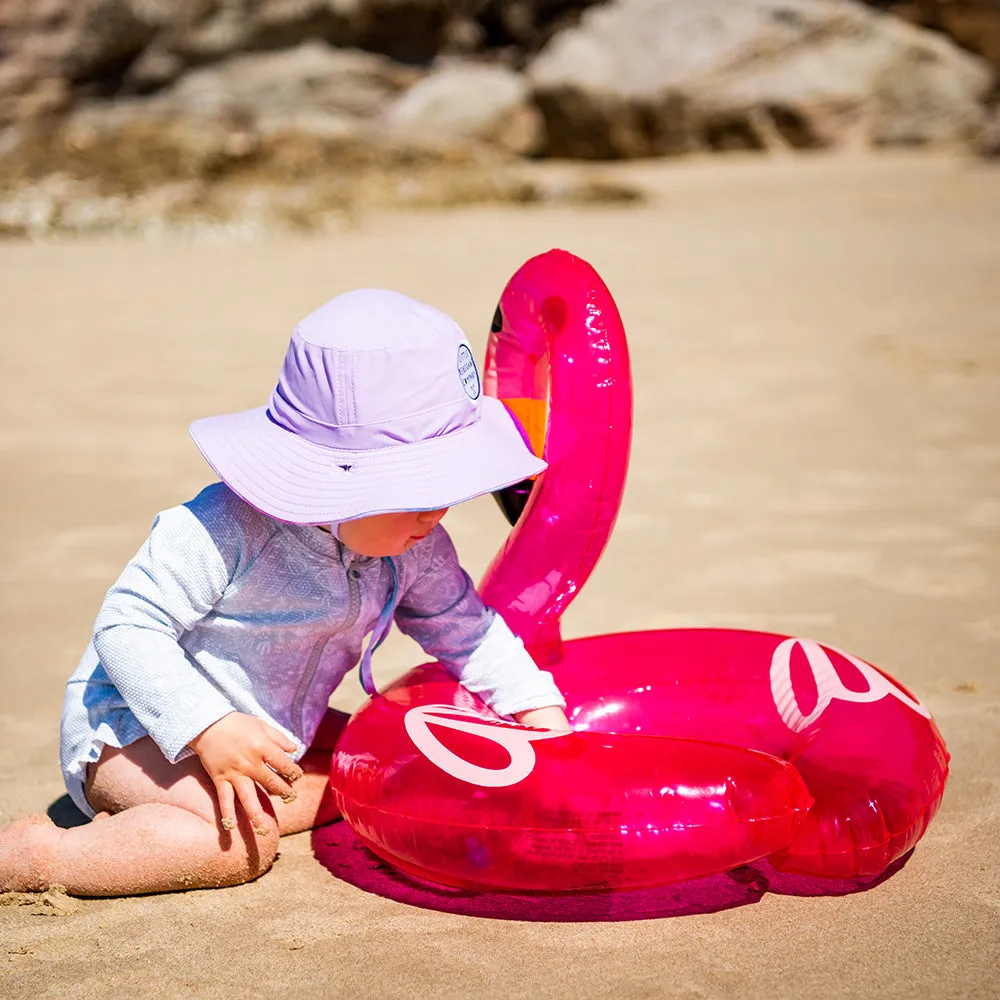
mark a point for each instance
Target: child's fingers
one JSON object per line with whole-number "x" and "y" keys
{"x": 275, "y": 782}
{"x": 282, "y": 740}
{"x": 227, "y": 804}
{"x": 246, "y": 789}
{"x": 283, "y": 765}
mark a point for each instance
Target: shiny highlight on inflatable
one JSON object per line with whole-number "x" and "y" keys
{"x": 694, "y": 751}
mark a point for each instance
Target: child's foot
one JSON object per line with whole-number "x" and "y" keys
{"x": 26, "y": 851}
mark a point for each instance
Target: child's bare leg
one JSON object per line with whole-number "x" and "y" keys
{"x": 163, "y": 833}
{"x": 313, "y": 805}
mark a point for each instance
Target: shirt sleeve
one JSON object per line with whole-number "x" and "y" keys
{"x": 442, "y": 611}
{"x": 173, "y": 582}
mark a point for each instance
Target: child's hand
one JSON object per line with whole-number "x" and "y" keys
{"x": 240, "y": 752}
{"x": 552, "y": 717}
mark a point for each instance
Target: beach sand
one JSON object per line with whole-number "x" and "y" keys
{"x": 816, "y": 352}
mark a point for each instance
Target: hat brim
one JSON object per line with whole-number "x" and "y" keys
{"x": 292, "y": 479}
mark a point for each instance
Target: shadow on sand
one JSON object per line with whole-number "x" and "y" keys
{"x": 338, "y": 849}
{"x": 64, "y": 813}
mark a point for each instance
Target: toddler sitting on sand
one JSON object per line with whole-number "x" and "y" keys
{"x": 195, "y": 728}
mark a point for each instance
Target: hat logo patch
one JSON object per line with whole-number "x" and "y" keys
{"x": 468, "y": 372}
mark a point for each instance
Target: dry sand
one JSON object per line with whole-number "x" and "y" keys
{"x": 816, "y": 346}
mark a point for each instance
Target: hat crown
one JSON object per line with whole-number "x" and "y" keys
{"x": 373, "y": 369}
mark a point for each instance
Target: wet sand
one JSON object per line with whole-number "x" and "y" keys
{"x": 816, "y": 350}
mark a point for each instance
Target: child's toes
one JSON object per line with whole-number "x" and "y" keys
{"x": 26, "y": 850}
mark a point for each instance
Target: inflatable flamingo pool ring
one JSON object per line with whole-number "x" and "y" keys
{"x": 694, "y": 751}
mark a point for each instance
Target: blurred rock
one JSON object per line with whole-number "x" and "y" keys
{"x": 525, "y": 26}
{"x": 633, "y": 78}
{"x": 973, "y": 24}
{"x": 473, "y": 101}
{"x": 53, "y": 51}
{"x": 312, "y": 77}
{"x": 407, "y": 30}
{"x": 876, "y": 82}
{"x": 646, "y": 77}
{"x": 49, "y": 48}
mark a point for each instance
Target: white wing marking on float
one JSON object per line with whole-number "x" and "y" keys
{"x": 514, "y": 739}
{"x": 829, "y": 686}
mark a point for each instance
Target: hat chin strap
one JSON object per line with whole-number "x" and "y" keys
{"x": 382, "y": 627}
{"x": 379, "y": 632}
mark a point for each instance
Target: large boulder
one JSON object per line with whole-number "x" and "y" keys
{"x": 647, "y": 77}
{"x": 407, "y": 30}
{"x": 51, "y": 48}
{"x": 973, "y": 24}
{"x": 52, "y": 52}
{"x": 312, "y": 79}
{"x": 490, "y": 103}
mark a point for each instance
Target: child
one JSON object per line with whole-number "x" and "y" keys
{"x": 195, "y": 729}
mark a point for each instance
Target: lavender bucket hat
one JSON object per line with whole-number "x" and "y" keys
{"x": 379, "y": 407}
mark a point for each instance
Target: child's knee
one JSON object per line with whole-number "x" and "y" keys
{"x": 249, "y": 853}
{"x": 265, "y": 845}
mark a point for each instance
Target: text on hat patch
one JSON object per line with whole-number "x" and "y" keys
{"x": 468, "y": 372}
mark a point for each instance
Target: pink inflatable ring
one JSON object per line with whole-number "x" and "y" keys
{"x": 694, "y": 751}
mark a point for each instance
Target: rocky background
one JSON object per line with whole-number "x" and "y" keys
{"x": 143, "y": 114}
